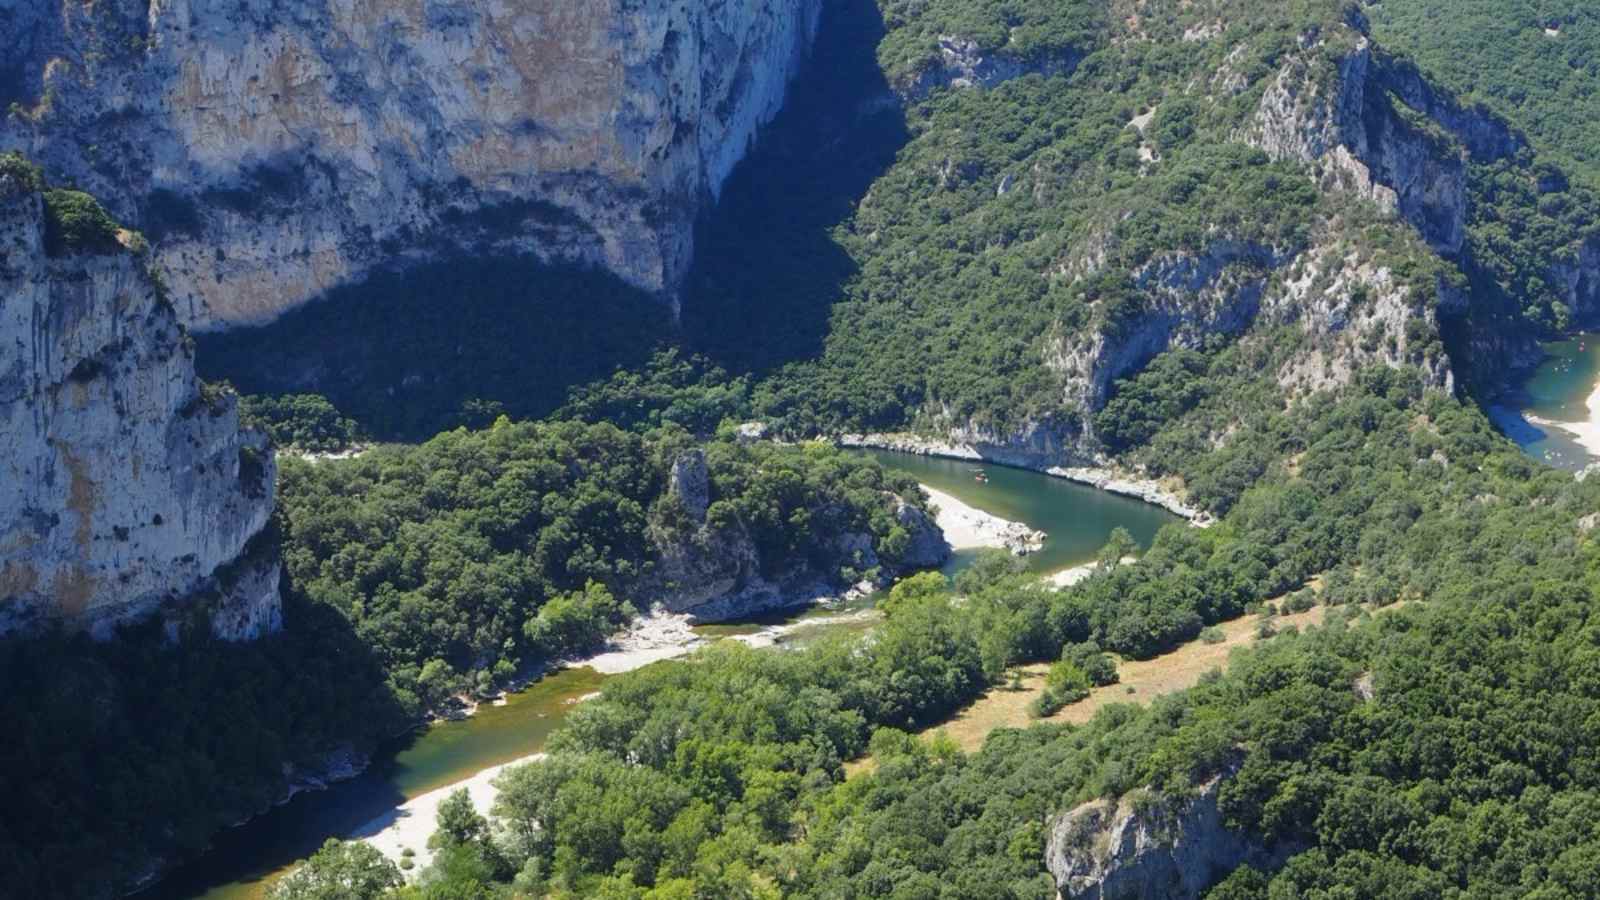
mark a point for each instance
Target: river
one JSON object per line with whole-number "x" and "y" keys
{"x": 1076, "y": 518}
{"x": 1557, "y": 413}
{"x": 244, "y": 861}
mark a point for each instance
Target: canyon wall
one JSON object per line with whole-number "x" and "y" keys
{"x": 1150, "y": 845}
{"x": 127, "y": 489}
{"x": 274, "y": 150}
{"x": 1361, "y": 123}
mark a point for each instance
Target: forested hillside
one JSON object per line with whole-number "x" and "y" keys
{"x": 1272, "y": 252}
{"x": 1242, "y": 244}
{"x": 1531, "y": 61}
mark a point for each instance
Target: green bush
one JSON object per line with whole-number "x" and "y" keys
{"x": 16, "y": 166}
{"x": 76, "y": 223}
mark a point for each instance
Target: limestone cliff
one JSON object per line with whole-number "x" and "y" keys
{"x": 1360, "y": 123}
{"x": 1353, "y": 311}
{"x": 1375, "y": 126}
{"x": 126, "y": 488}
{"x": 961, "y": 63}
{"x": 274, "y": 150}
{"x": 1148, "y": 846}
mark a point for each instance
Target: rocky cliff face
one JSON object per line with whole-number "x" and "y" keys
{"x": 272, "y": 150}
{"x": 126, "y": 490}
{"x": 1375, "y": 126}
{"x": 1147, "y": 846}
{"x": 1354, "y": 313}
{"x": 963, "y": 64}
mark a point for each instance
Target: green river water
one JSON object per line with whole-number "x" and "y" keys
{"x": 244, "y": 861}
{"x": 1558, "y": 391}
{"x": 1077, "y": 518}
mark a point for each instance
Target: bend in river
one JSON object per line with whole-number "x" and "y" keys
{"x": 245, "y": 861}
{"x": 1076, "y": 518}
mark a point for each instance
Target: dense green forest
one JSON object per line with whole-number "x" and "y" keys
{"x": 480, "y": 554}
{"x": 721, "y": 776}
{"x": 1462, "y": 768}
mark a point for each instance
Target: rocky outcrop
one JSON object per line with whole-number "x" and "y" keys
{"x": 1578, "y": 279}
{"x": 126, "y": 488}
{"x": 1188, "y": 298}
{"x": 274, "y": 150}
{"x": 963, "y": 64}
{"x": 1357, "y": 313}
{"x": 1376, "y": 127}
{"x": 926, "y": 546}
{"x": 714, "y": 572}
{"x": 1146, "y": 846}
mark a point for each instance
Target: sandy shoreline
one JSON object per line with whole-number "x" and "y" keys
{"x": 410, "y": 823}
{"x": 1585, "y": 434}
{"x": 1066, "y": 578}
{"x": 651, "y": 638}
{"x": 967, "y": 527}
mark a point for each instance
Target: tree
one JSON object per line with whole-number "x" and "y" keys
{"x": 458, "y": 822}
{"x": 909, "y": 591}
{"x": 576, "y": 621}
{"x": 1118, "y": 547}
{"x": 341, "y": 870}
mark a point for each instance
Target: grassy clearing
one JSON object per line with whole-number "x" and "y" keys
{"x": 1141, "y": 682}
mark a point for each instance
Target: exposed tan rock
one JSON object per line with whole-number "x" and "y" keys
{"x": 276, "y": 151}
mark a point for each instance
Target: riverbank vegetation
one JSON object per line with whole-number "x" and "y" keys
{"x": 723, "y": 774}
{"x": 480, "y": 554}
{"x": 136, "y": 750}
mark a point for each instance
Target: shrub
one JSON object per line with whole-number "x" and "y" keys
{"x": 1097, "y": 666}
{"x": 15, "y": 165}
{"x": 76, "y": 223}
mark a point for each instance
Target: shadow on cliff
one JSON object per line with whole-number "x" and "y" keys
{"x": 408, "y": 354}
{"x": 767, "y": 269}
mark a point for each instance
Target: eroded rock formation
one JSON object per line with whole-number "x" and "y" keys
{"x": 272, "y": 151}
{"x": 1147, "y": 846}
{"x": 714, "y": 571}
{"x": 126, "y": 488}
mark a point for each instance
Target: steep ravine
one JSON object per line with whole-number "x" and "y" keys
{"x": 272, "y": 152}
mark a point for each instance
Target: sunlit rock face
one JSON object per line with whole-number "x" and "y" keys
{"x": 275, "y": 149}
{"x": 126, "y": 490}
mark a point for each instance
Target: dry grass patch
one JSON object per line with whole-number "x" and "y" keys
{"x": 1141, "y": 681}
